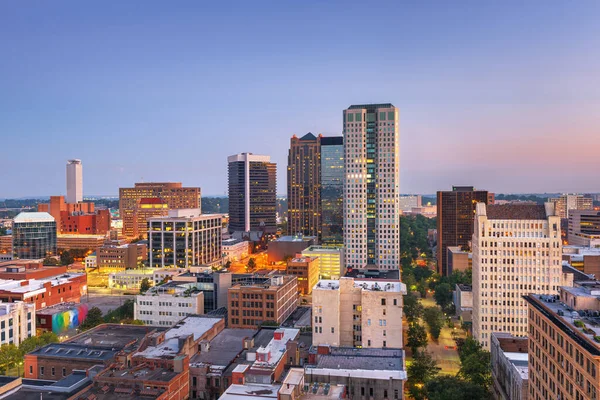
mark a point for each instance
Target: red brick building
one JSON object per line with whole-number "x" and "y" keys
{"x": 80, "y": 218}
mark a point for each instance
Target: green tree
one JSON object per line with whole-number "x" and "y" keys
{"x": 443, "y": 296}
{"x": 251, "y": 266}
{"x": 417, "y": 337}
{"x": 50, "y": 261}
{"x": 454, "y": 388}
{"x": 9, "y": 356}
{"x": 30, "y": 344}
{"x": 94, "y": 318}
{"x": 476, "y": 368}
{"x": 413, "y": 309}
{"x": 66, "y": 258}
{"x": 228, "y": 264}
{"x": 47, "y": 338}
{"x": 145, "y": 285}
{"x": 435, "y": 320}
{"x": 422, "y": 369}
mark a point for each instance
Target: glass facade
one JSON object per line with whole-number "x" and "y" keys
{"x": 34, "y": 239}
{"x": 332, "y": 190}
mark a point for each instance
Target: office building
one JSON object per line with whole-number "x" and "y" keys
{"x": 252, "y": 194}
{"x": 455, "y": 214}
{"x": 304, "y": 185}
{"x": 69, "y": 241}
{"x": 260, "y": 300}
{"x": 509, "y": 367}
{"x": 458, "y": 259}
{"x": 330, "y": 260}
{"x": 185, "y": 238}
{"x": 77, "y": 218}
{"x": 17, "y": 322}
{"x": 372, "y": 187}
{"x": 120, "y": 257}
{"x": 564, "y": 352}
{"x": 173, "y": 193}
{"x": 463, "y": 303}
{"x": 332, "y": 190}
{"x": 584, "y": 259}
{"x": 306, "y": 269}
{"x": 584, "y": 228}
{"x": 74, "y": 181}
{"x": 358, "y": 313}
{"x": 148, "y": 208}
{"x": 407, "y": 203}
{"x": 517, "y": 250}
{"x": 33, "y": 235}
{"x": 568, "y": 202}
{"x": 61, "y": 317}
{"x": 167, "y": 304}
{"x": 235, "y": 249}
{"x": 287, "y": 246}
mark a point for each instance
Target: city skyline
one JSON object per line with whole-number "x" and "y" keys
{"x": 484, "y": 98}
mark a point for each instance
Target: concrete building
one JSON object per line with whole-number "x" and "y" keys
{"x": 455, "y": 215}
{"x": 148, "y": 208}
{"x": 463, "y": 302}
{"x": 167, "y": 304}
{"x": 306, "y": 269}
{"x": 407, "y": 203}
{"x": 517, "y": 250}
{"x": 564, "y": 353}
{"x": 509, "y": 367}
{"x": 33, "y": 235}
{"x": 69, "y": 241}
{"x": 296, "y": 386}
{"x": 261, "y": 300}
{"x": 330, "y": 260}
{"x": 252, "y": 194}
{"x": 173, "y": 193}
{"x": 74, "y": 181}
{"x": 235, "y": 249}
{"x": 121, "y": 257}
{"x": 358, "y": 313}
{"x": 91, "y": 261}
{"x": 584, "y": 228}
{"x": 288, "y": 246}
{"x": 130, "y": 279}
{"x": 17, "y": 322}
{"x": 458, "y": 259}
{"x": 214, "y": 285}
{"x": 372, "y": 187}
{"x": 584, "y": 259}
{"x": 332, "y": 190}
{"x": 367, "y": 373}
{"x": 60, "y": 318}
{"x": 6, "y": 244}
{"x": 185, "y": 238}
{"x": 81, "y": 217}
{"x": 568, "y": 202}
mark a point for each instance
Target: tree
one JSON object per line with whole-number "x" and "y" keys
{"x": 9, "y": 356}
{"x": 443, "y": 296}
{"x": 417, "y": 337}
{"x": 422, "y": 369}
{"x": 454, "y": 388}
{"x": 50, "y": 261}
{"x": 435, "y": 320}
{"x": 476, "y": 368}
{"x": 251, "y": 266}
{"x": 413, "y": 309}
{"x": 228, "y": 264}
{"x": 94, "y": 318}
{"x": 145, "y": 285}
{"x": 47, "y": 338}
{"x": 66, "y": 258}
{"x": 28, "y": 345}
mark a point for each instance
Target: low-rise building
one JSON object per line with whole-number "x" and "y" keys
{"x": 330, "y": 260}
{"x": 509, "y": 366}
{"x": 459, "y": 259}
{"x": 306, "y": 269}
{"x": 121, "y": 257}
{"x": 6, "y": 244}
{"x": 287, "y": 246}
{"x": 463, "y": 302}
{"x": 367, "y": 373}
{"x": 260, "y": 300}
{"x": 46, "y": 292}
{"x": 167, "y": 304}
{"x": 358, "y": 312}
{"x": 60, "y": 317}
{"x": 91, "y": 261}
{"x": 296, "y": 386}
{"x": 69, "y": 241}
{"x": 17, "y": 322}
{"x": 585, "y": 259}
{"x": 235, "y": 249}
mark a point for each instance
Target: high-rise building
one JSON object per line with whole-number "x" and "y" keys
{"x": 252, "y": 193}
{"x": 172, "y": 193}
{"x": 371, "y": 186}
{"x": 455, "y": 214}
{"x": 567, "y": 202}
{"x": 517, "y": 250}
{"x": 184, "y": 238}
{"x": 584, "y": 228}
{"x": 330, "y": 260}
{"x": 332, "y": 190}
{"x": 358, "y": 313}
{"x": 148, "y": 208}
{"x": 33, "y": 235}
{"x": 407, "y": 203}
{"x": 74, "y": 181}
{"x": 304, "y": 185}
{"x": 77, "y": 218}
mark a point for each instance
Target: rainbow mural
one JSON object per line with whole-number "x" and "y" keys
{"x": 69, "y": 319}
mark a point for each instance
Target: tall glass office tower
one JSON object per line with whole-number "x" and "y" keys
{"x": 34, "y": 235}
{"x": 332, "y": 190}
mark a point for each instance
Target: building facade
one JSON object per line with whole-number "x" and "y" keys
{"x": 371, "y": 186}
{"x": 517, "y": 250}
{"x": 455, "y": 214}
{"x": 167, "y": 304}
{"x": 584, "y": 228}
{"x": 74, "y": 181}
{"x": 363, "y": 313}
{"x": 330, "y": 260}
{"x": 262, "y": 300}
{"x": 173, "y": 193}
{"x": 252, "y": 193}
{"x": 33, "y": 235}
{"x": 567, "y": 202}
{"x": 17, "y": 322}
{"x": 77, "y": 218}
{"x": 148, "y": 208}
{"x": 306, "y": 269}
{"x": 115, "y": 257}
{"x": 332, "y": 190}
{"x": 235, "y": 249}
{"x": 509, "y": 367}
{"x": 185, "y": 238}
{"x": 407, "y": 203}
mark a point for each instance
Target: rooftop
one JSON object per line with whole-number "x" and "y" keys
{"x": 295, "y": 238}
{"x": 31, "y": 287}
{"x": 322, "y": 249}
{"x": 75, "y": 351}
{"x": 34, "y": 217}
{"x": 516, "y": 211}
{"x": 519, "y": 361}
{"x": 580, "y": 251}
{"x": 140, "y": 372}
{"x": 112, "y": 336}
{"x": 251, "y": 391}
{"x": 275, "y": 348}
{"x": 370, "y": 106}
{"x": 465, "y": 288}
{"x": 223, "y": 348}
{"x": 364, "y": 363}
{"x": 58, "y": 308}
{"x": 374, "y": 274}
{"x": 370, "y": 285}
{"x": 577, "y": 274}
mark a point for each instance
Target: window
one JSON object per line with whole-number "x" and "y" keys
{"x": 52, "y": 371}
{"x": 383, "y": 302}
{"x": 64, "y": 372}
{"x": 369, "y": 342}
{"x": 362, "y": 391}
{"x": 395, "y": 302}
{"x": 371, "y": 392}
{"x": 31, "y": 369}
{"x": 41, "y": 370}
{"x": 332, "y": 330}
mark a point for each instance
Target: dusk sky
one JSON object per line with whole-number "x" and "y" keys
{"x": 497, "y": 94}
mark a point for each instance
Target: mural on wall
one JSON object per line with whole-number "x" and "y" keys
{"x": 69, "y": 319}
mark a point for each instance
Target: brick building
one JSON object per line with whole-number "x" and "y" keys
{"x": 306, "y": 269}
{"x": 115, "y": 258}
{"x": 81, "y": 217}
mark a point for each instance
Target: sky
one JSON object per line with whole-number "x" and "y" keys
{"x": 502, "y": 95}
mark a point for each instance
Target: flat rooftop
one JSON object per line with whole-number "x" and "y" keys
{"x": 139, "y": 373}
{"x": 275, "y": 348}
{"x": 520, "y": 362}
{"x": 295, "y": 238}
{"x": 58, "y": 308}
{"x": 370, "y": 285}
{"x": 107, "y": 392}
{"x": 251, "y": 391}
{"x": 373, "y": 274}
{"x": 224, "y": 348}
{"x": 323, "y": 249}
{"x": 75, "y": 351}
{"x": 35, "y": 285}
{"x": 33, "y": 217}
{"x": 112, "y": 336}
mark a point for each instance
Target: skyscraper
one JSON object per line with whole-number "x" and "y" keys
{"x": 34, "y": 235}
{"x": 455, "y": 214}
{"x": 74, "y": 181}
{"x": 252, "y": 193}
{"x": 332, "y": 190}
{"x": 567, "y": 202}
{"x": 304, "y": 185}
{"x": 372, "y": 186}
